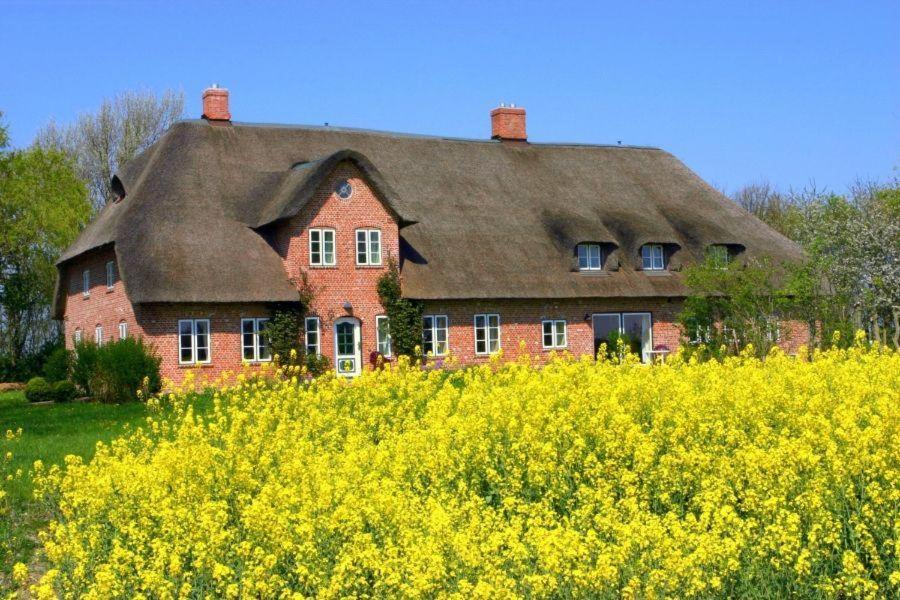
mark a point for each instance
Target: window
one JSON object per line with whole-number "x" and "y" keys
{"x": 343, "y": 189}
{"x": 590, "y": 257}
{"x": 312, "y": 336}
{"x": 554, "y": 333}
{"x": 78, "y": 336}
{"x": 193, "y": 341}
{"x": 434, "y": 335}
{"x": 98, "y": 335}
{"x": 634, "y": 329}
{"x": 652, "y": 257}
{"x": 255, "y": 347}
{"x": 368, "y": 247}
{"x": 86, "y": 283}
{"x": 383, "y": 335}
{"x": 321, "y": 247}
{"x": 123, "y": 330}
{"x": 773, "y": 329}
{"x": 110, "y": 275}
{"x": 718, "y": 255}
{"x": 487, "y": 333}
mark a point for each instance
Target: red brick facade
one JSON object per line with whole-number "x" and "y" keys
{"x": 346, "y": 290}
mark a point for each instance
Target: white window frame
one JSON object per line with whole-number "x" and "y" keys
{"x": 257, "y": 341}
{"x": 110, "y": 274}
{"x": 86, "y": 283}
{"x": 555, "y": 326}
{"x": 653, "y": 252}
{"x": 371, "y": 240}
{"x": 98, "y": 335}
{"x": 318, "y": 329}
{"x": 487, "y": 327}
{"x": 586, "y": 249}
{"x": 320, "y": 233}
{"x": 77, "y": 336}
{"x": 380, "y": 342}
{"x": 438, "y": 323}
{"x": 123, "y": 330}
{"x": 194, "y": 346}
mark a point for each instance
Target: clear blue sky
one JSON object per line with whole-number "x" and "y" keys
{"x": 789, "y": 92}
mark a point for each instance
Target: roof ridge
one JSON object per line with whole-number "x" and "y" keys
{"x": 426, "y": 136}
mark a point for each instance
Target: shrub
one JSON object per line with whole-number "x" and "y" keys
{"x": 38, "y": 390}
{"x": 64, "y": 391}
{"x": 84, "y": 365}
{"x": 404, "y": 314}
{"x": 116, "y": 371}
{"x": 317, "y": 364}
{"x": 581, "y": 479}
{"x": 58, "y": 365}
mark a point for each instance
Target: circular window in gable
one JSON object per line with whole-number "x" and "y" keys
{"x": 343, "y": 189}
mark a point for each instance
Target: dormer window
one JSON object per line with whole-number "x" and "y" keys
{"x": 718, "y": 255}
{"x": 653, "y": 257}
{"x": 590, "y": 257}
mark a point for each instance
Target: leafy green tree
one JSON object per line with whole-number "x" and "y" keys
{"x": 43, "y": 206}
{"x": 734, "y": 305}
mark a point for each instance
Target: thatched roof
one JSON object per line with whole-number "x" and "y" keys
{"x": 480, "y": 219}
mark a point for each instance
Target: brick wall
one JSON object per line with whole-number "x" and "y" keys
{"x": 520, "y": 321}
{"x": 332, "y": 287}
{"x": 104, "y": 306}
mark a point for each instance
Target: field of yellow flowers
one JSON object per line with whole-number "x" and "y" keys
{"x": 775, "y": 478}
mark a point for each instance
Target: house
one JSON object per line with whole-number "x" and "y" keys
{"x": 510, "y": 244}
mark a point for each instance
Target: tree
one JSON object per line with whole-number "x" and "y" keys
{"x": 851, "y": 279}
{"x": 734, "y": 305}
{"x": 43, "y": 206}
{"x": 102, "y": 143}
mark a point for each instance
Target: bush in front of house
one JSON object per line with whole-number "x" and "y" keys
{"x": 116, "y": 371}
{"x": 58, "y": 364}
{"x": 64, "y": 391}
{"x": 38, "y": 390}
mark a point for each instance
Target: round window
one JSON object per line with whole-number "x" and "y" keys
{"x": 343, "y": 189}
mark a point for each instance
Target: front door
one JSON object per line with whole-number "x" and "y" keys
{"x": 347, "y": 347}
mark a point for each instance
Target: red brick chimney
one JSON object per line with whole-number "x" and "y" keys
{"x": 508, "y": 123}
{"x": 215, "y": 104}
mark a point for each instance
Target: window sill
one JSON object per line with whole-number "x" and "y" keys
{"x": 597, "y": 273}
{"x": 369, "y": 267}
{"x": 256, "y": 363}
{"x": 655, "y": 273}
{"x": 555, "y": 349}
{"x": 110, "y": 290}
{"x": 195, "y": 365}
{"x": 323, "y": 267}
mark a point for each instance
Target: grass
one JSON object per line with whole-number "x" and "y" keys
{"x": 50, "y": 432}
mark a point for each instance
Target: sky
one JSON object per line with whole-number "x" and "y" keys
{"x": 792, "y": 93}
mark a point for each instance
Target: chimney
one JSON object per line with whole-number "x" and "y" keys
{"x": 215, "y": 104}
{"x": 508, "y": 123}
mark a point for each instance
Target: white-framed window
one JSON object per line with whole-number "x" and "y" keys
{"x": 78, "y": 335}
{"x": 554, "y": 333}
{"x": 435, "y": 335}
{"x": 718, "y": 255}
{"x": 254, "y": 345}
{"x": 700, "y": 334}
{"x": 590, "y": 257}
{"x": 311, "y": 327}
{"x": 383, "y": 335}
{"x": 773, "y": 329}
{"x": 98, "y": 335}
{"x": 123, "y": 330}
{"x": 193, "y": 341}
{"x": 487, "y": 333}
{"x": 110, "y": 275}
{"x": 321, "y": 248}
{"x": 368, "y": 247}
{"x": 652, "y": 257}
{"x": 86, "y": 283}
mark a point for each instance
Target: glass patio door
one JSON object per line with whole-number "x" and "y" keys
{"x": 637, "y": 326}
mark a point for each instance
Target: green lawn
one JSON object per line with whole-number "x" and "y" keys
{"x": 49, "y": 433}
